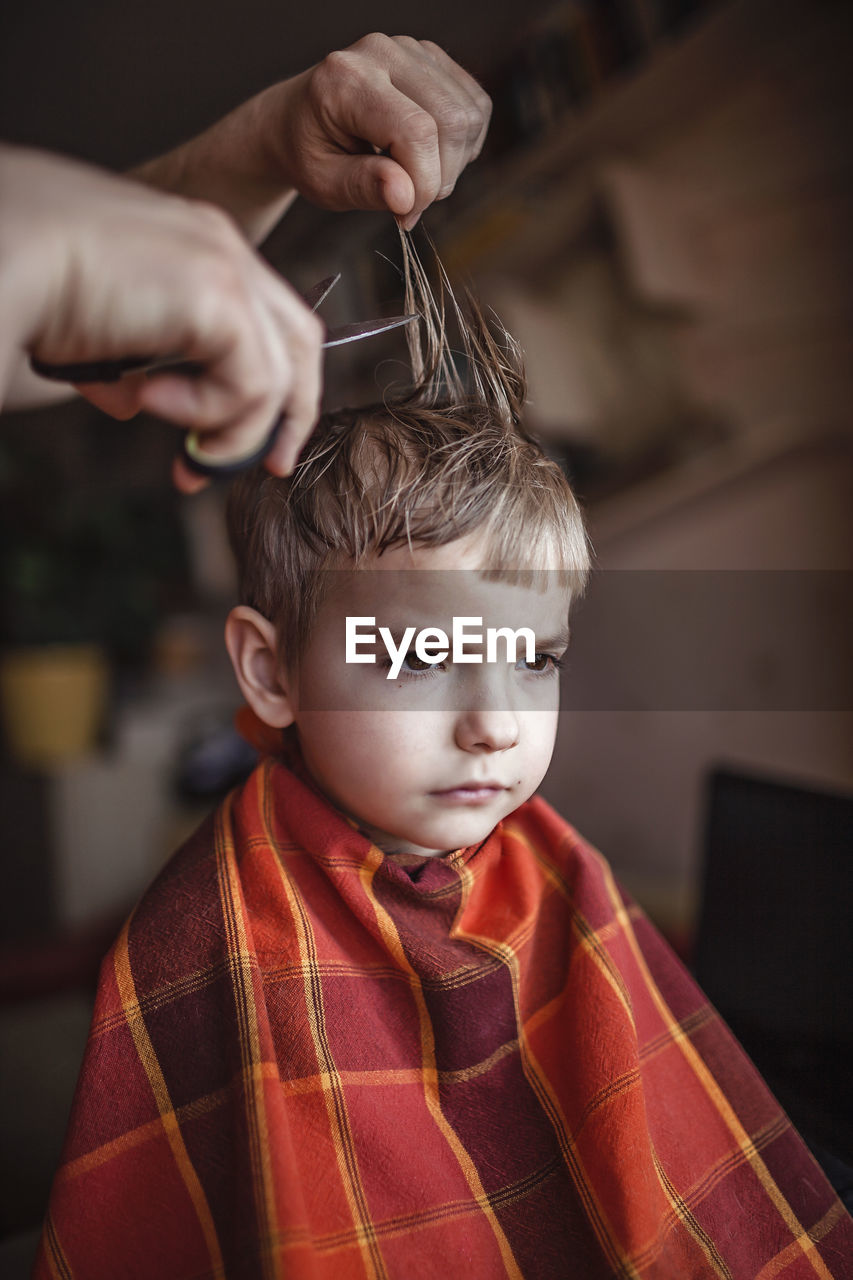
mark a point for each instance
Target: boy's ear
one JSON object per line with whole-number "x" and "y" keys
{"x": 251, "y": 642}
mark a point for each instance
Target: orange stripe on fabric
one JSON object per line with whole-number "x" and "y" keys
{"x": 700, "y": 1190}
{"x": 360, "y": 1079}
{"x": 59, "y": 1265}
{"x": 332, "y": 1089}
{"x": 713, "y": 1176}
{"x": 550, "y": 1104}
{"x": 589, "y": 939}
{"x": 677, "y": 1210}
{"x": 591, "y": 942}
{"x": 191, "y": 983}
{"x": 391, "y": 938}
{"x": 450, "y": 1210}
{"x": 337, "y": 968}
{"x": 148, "y": 1058}
{"x": 101, "y": 1155}
{"x": 242, "y": 983}
{"x": 712, "y": 1089}
{"x": 682, "y": 1213}
{"x": 397, "y": 1076}
{"x": 160, "y": 996}
{"x": 145, "y": 1132}
{"x": 630, "y": 1079}
{"x": 788, "y": 1254}
{"x": 195, "y": 982}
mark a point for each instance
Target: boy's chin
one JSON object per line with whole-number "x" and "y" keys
{"x": 417, "y": 845}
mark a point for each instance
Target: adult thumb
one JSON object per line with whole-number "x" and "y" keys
{"x": 369, "y": 182}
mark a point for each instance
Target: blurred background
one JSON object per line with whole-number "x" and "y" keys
{"x": 662, "y": 217}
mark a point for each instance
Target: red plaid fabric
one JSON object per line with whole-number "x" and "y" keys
{"x": 306, "y": 1061}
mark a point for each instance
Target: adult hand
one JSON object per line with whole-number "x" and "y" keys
{"x": 320, "y": 134}
{"x": 94, "y": 266}
{"x": 396, "y": 95}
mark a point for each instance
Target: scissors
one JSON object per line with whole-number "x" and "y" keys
{"x": 193, "y": 456}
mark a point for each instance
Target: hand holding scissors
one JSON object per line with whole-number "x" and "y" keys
{"x": 194, "y": 457}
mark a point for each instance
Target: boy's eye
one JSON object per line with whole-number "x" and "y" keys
{"x": 412, "y": 662}
{"x": 541, "y": 662}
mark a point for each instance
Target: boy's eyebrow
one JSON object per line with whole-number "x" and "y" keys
{"x": 559, "y": 641}
{"x": 395, "y": 632}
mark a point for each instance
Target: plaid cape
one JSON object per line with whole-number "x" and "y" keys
{"x": 306, "y": 1061}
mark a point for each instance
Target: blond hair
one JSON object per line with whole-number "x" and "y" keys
{"x": 446, "y": 459}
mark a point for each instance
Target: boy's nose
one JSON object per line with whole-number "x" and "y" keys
{"x": 480, "y": 729}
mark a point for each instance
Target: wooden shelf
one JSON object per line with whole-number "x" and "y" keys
{"x": 516, "y": 213}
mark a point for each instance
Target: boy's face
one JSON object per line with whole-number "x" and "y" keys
{"x": 431, "y": 760}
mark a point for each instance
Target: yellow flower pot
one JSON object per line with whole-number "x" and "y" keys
{"x": 53, "y": 699}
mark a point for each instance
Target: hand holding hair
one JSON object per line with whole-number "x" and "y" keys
{"x": 320, "y": 133}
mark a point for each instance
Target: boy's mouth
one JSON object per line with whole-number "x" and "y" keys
{"x": 470, "y": 793}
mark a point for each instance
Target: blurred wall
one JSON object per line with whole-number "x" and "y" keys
{"x": 730, "y": 227}
{"x": 119, "y": 82}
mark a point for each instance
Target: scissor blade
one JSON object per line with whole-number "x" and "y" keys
{"x": 112, "y": 370}
{"x": 320, "y": 291}
{"x": 363, "y": 329}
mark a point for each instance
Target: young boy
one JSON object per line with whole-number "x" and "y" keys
{"x": 386, "y": 1014}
